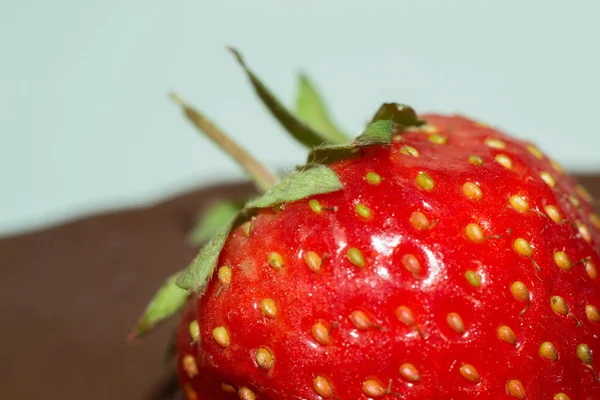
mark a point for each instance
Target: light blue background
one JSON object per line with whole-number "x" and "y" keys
{"x": 85, "y": 123}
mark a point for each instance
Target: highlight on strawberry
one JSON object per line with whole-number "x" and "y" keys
{"x": 430, "y": 257}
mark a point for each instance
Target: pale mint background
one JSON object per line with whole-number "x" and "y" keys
{"x": 85, "y": 123}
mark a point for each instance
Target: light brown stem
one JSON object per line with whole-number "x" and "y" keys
{"x": 262, "y": 177}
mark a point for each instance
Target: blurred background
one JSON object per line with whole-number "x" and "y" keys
{"x": 86, "y": 124}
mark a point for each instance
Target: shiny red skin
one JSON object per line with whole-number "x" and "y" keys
{"x": 304, "y": 297}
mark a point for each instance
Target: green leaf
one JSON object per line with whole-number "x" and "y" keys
{"x": 169, "y": 299}
{"x": 199, "y": 271}
{"x": 298, "y": 129}
{"x": 213, "y": 219}
{"x": 311, "y": 109}
{"x": 378, "y": 132}
{"x": 328, "y": 154}
{"x": 299, "y": 185}
{"x": 400, "y": 114}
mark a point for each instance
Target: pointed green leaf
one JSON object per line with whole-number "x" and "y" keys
{"x": 213, "y": 219}
{"x": 299, "y": 185}
{"x": 199, "y": 271}
{"x": 311, "y": 109}
{"x": 399, "y": 114}
{"x": 169, "y": 299}
{"x": 378, "y": 132}
{"x": 298, "y": 129}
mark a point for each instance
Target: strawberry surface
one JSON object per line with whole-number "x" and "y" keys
{"x": 456, "y": 263}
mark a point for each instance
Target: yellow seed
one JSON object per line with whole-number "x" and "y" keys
{"x": 559, "y": 305}
{"x": 535, "y": 151}
{"x": 224, "y": 274}
{"x": 548, "y": 351}
{"x": 373, "y": 178}
{"x": 412, "y": 264}
{"x": 515, "y": 389}
{"x": 519, "y": 203}
{"x": 475, "y": 160}
{"x": 221, "y": 336}
{"x": 315, "y": 206}
{"x": 419, "y": 220}
{"x": 595, "y": 220}
{"x": 470, "y": 373}
{"x": 427, "y": 128}
{"x": 557, "y": 167}
{"x": 265, "y": 359}
{"x": 562, "y": 260}
{"x": 575, "y": 201}
{"x": 561, "y": 396}
{"x": 360, "y": 320}
{"x": 474, "y": 233}
{"x": 189, "y": 365}
{"x": 424, "y": 181}
{"x": 472, "y": 191}
{"x": 548, "y": 178}
{"x": 519, "y": 291}
{"x": 373, "y": 388}
{"x": 320, "y": 333}
{"x": 507, "y": 335}
{"x": 553, "y": 213}
{"x": 194, "y": 329}
{"x": 409, "y": 151}
{"x": 275, "y": 260}
{"x": 592, "y": 313}
{"x": 189, "y": 392}
{"x": 323, "y": 387}
{"x": 473, "y": 278}
{"x": 584, "y": 231}
{"x": 437, "y": 138}
{"x": 405, "y": 315}
{"x": 313, "y": 261}
{"x": 504, "y": 160}
{"x": 247, "y": 228}
{"x": 246, "y": 394}
{"x": 455, "y": 322}
{"x": 584, "y": 353}
{"x": 356, "y": 258}
{"x": 583, "y": 192}
{"x": 410, "y": 372}
{"x": 522, "y": 247}
{"x": 495, "y": 143}
{"x": 591, "y": 270}
{"x": 268, "y": 308}
{"x": 363, "y": 211}
{"x": 227, "y": 388}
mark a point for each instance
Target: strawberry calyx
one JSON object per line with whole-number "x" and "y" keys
{"x": 391, "y": 119}
{"x": 302, "y": 131}
{"x": 328, "y": 145}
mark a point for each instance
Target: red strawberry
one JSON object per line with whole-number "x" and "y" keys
{"x": 455, "y": 262}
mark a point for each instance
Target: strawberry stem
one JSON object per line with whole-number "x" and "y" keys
{"x": 262, "y": 177}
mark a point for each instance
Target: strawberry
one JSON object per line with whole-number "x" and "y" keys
{"x": 445, "y": 260}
